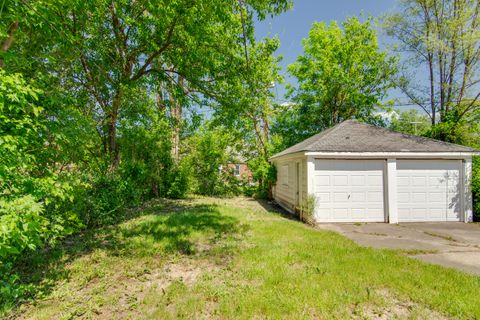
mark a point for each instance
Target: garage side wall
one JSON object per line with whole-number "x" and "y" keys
{"x": 287, "y": 185}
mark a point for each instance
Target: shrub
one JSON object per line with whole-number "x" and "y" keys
{"x": 265, "y": 174}
{"x": 180, "y": 180}
{"x": 22, "y": 226}
{"x": 102, "y": 199}
{"x": 307, "y": 209}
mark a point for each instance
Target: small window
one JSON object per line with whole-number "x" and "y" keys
{"x": 236, "y": 170}
{"x": 284, "y": 175}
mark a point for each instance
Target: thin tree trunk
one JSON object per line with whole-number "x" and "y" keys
{"x": 432, "y": 88}
{"x": 177, "y": 108}
{"x": 7, "y": 44}
{"x": 176, "y": 113}
{"x": 113, "y": 148}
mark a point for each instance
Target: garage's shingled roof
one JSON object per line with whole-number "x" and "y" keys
{"x": 353, "y": 136}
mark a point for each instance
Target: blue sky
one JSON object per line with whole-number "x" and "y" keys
{"x": 291, "y": 27}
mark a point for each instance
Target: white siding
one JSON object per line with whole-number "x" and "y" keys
{"x": 286, "y": 185}
{"x": 303, "y": 179}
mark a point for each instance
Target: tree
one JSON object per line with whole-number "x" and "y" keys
{"x": 442, "y": 39}
{"x": 248, "y": 108}
{"x": 211, "y": 149}
{"x": 104, "y": 48}
{"x": 341, "y": 75}
{"x": 411, "y": 122}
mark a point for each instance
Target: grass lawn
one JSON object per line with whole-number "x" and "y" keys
{"x": 208, "y": 258}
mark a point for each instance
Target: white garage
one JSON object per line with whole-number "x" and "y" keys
{"x": 362, "y": 173}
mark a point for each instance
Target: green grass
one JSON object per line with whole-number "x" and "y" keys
{"x": 233, "y": 259}
{"x": 442, "y": 236}
{"x": 413, "y": 252}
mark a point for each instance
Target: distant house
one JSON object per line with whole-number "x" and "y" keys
{"x": 240, "y": 170}
{"x": 238, "y": 166}
{"x": 361, "y": 173}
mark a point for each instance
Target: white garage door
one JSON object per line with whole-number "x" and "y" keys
{"x": 428, "y": 190}
{"x": 349, "y": 190}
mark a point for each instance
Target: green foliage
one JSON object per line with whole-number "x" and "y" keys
{"x": 102, "y": 199}
{"x": 33, "y": 196}
{"x": 437, "y": 75}
{"x": 265, "y": 174}
{"x": 465, "y": 131}
{"x": 181, "y": 180}
{"x": 211, "y": 154}
{"x": 22, "y": 226}
{"x": 411, "y": 122}
{"x": 20, "y": 126}
{"x": 341, "y": 75}
{"x": 307, "y": 209}
{"x": 107, "y": 120}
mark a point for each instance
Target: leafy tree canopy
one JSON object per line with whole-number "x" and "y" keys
{"x": 341, "y": 75}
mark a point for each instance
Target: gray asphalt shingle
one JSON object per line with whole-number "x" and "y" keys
{"x": 353, "y": 136}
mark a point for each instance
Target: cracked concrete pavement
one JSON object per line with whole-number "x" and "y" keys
{"x": 451, "y": 244}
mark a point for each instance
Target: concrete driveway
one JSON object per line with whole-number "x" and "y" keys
{"x": 451, "y": 244}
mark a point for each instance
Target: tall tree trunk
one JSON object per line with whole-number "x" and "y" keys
{"x": 7, "y": 44}
{"x": 113, "y": 148}
{"x": 177, "y": 114}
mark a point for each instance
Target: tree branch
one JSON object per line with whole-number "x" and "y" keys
{"x": 150, "y": 59}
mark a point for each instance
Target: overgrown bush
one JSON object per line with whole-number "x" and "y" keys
{"x": 180, "y": 180}
{"x": 101, "y": 199}
{"x": 265, "y": 174}
{"x": 307, "y": 209}
{"x": 35, "y": 198}
{"x": 210, "y": 158}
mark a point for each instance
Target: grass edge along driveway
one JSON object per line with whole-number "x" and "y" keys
{"x": 238, "y": 258}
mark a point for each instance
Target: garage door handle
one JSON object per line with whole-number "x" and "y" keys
{"x": 349, "y": 196}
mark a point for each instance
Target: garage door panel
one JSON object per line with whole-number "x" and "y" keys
{"x": 321, "y": 180}
{"x": 376, "y": 212}
{"x": 341, "y": 213}
{"x": 436, "y": 212}
{"x": 403, "y": 181}
{"x": 375, "y": 180}
{"x": 403, "y": 197}
{"x": 419, "y": 181}
{"x": 340, "y": 196}
{"x": 323, "y": 197}
{"x": 436, "y": 197}
{"x": 419, "y": 197}
{"x": 323, "y": 213}
{"x": 359, "y": 214}
{"x": 357, "y": 196}
{"x": 355, "y": 188}
{"x": 340, "y": 180}
{"x": 432, "y": 192}
{"x": 357, "y": 180}
{"x": 375, "y": 196}
{"x": 418, "y": 213}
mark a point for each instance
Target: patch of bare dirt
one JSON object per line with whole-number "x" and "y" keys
{"x": 394, "y": 307}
